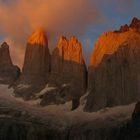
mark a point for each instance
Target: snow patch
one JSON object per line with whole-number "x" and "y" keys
{"x": 23, "y": 86}
{"x": 64, "y": 85}
{"x": 59, "y": 109}
{"x": 45, "y": 90}
{"x": 113, "y": 114}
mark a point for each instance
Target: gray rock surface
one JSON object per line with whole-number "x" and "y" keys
{"x": 114, "y": 70}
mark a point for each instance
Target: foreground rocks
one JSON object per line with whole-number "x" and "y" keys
{"x": 114, "y": 69}
{"x": 18, "y": 124}
{"x": 8, "y": 72}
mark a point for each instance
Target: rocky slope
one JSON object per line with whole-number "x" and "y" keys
{"x": 114, "y": 69}
{"x": 8, "y": 72}
{"x": 21, "y": 120}
{"x": 68, "y": 70}
{"x": 36, "y": 66}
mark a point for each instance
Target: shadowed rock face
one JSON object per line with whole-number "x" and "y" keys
{"x": 114, "y": 70}
{"x": 37, "y": 58}
{"x": 8, "y": 72}
{"x": 68, "y": 69}
{"x": 36, "y": 66}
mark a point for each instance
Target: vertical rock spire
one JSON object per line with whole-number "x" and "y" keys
{"x": 36, "y": 66}
{"x": 8, "y": 72}
{"x": 68, "y": 69}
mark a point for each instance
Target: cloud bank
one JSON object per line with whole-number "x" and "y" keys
{"x": 58, "y": 17}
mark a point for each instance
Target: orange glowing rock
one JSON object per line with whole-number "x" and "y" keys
{"x": 70, "y": 49}
{"x": 114, "y": 68}
{"x": 36, "y": 66}
{"x": 38, "y": 37}
{"x": 109, "y": 42}
{"x": 68, "y": 67}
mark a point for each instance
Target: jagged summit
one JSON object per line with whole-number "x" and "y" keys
{"x": 69, "y": 49}
{"x": 36, "y": 64}
{"x": 38, "y": 37}
{"x": 5, "y": 45}
{"x": 63, "y": 41}
{"x": 8, "y": 72}
{"x": 135, "y": 25}
{"x": 5, "y": 58}
{"x": 109, "y": 42}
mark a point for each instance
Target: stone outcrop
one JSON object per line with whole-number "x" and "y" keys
{"x": 36, "y": 66}
{"x": 8, "y": 72}
{"x": 114, "y": 69}
{"x": 68, "y": 69}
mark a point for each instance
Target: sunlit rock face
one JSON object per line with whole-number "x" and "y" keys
{"x": 68, "y": 69}
{"x": 37, "y": 57}
{"x": 8, "y": 72}
{"x": 36, "y": 66}
{"x": 114, "y": 68}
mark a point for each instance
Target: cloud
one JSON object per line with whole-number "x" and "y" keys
{"x": 58, "y": 17}
{"x": 16, "y": 51}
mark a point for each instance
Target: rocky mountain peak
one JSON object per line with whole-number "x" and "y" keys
{"x": 38, "y": 37}
{"x": 109, "y": 42}
{"x": 5, "y": 45}
{"x": 69, "y": 49}
{"x": 114, "y": 68}
{"x": 8, "y": 72}
{"x": 5, "y": 58}
{"x": 135, "y": 23}
{"x": 62, "y": 42}
{"x": 36, "y": 66}
{"x": 68, "y": 68}
{"x": 73, "y": 40}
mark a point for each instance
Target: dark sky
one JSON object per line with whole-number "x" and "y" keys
{"x": 86, "y": 19}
